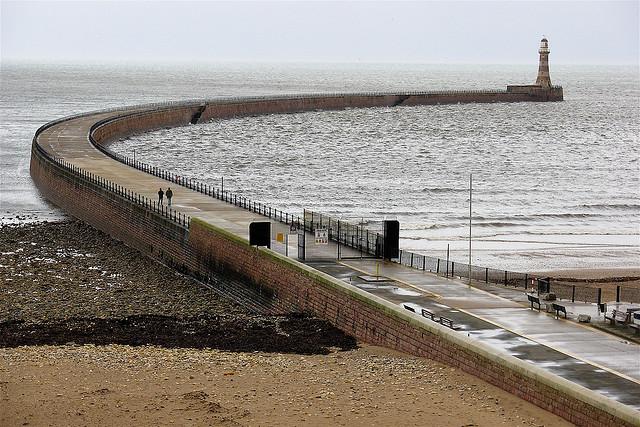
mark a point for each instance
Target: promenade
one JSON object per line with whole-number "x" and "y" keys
{"x": 496, "y": 316}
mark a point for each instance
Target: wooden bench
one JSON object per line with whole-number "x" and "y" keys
{"x": 559, "y": 309}
{"x": 429, "y": 314}
{"x": 617, "y": 316}
{"x": 533, "y": 300}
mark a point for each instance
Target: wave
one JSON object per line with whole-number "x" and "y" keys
{"x": 533, "y": 217}
{"x": 444, "y": 190}
{"x": 619, "y": 206}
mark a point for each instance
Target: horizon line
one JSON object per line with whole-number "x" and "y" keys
{"x": 165, "y": 61}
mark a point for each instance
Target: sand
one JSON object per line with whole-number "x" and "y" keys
{"x": 122, "y": 385}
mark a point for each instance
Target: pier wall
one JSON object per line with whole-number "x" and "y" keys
{"x": 145, "y": 121}
{"x": 203, "y": 249}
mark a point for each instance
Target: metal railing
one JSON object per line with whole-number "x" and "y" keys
{"x": 200, "y": 187}
{"x": 355, "y": 236}
{"x": 591, "y": 294}
{"x": 452, "y": 268}
{"x": 130, "y": 196}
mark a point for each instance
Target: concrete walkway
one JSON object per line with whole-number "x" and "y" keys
{"x": 578, "y": 353}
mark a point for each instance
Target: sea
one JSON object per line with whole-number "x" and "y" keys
{"x": 553, "y": 185}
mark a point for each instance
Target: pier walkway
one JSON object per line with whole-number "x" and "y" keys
{"x": 580, "y": 354}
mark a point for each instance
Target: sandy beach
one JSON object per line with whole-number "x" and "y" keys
{"x": 120, "y": 385}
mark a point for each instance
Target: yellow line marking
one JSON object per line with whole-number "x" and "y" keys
{"x": 428, "y": 293}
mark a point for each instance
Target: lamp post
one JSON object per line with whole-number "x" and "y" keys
{"x": 470, "y": 213}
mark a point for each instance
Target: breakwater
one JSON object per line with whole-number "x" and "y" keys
{"x": 210, "y": 236}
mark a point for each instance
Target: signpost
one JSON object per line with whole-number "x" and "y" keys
{"x": 322, "y": 236}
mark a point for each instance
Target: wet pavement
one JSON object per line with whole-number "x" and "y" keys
{"x": 583, "y": 355}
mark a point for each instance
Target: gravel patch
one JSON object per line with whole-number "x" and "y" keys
{"x": 67, "y": 282}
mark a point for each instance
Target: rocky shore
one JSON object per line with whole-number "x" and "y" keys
{"x": 66, "y": 282}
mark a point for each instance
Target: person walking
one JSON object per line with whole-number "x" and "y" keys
{"x": 160, "y": 195}
{"x": 169, "y": 194}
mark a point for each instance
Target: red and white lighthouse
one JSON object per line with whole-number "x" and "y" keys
{"x": 543, "y": 69}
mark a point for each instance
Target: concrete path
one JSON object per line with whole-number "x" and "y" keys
{"x": 580, "y": 354}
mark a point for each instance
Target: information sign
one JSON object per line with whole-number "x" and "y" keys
{"x": 322, "y": 236}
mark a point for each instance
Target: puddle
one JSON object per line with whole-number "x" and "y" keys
{"x": 405, "y": 292}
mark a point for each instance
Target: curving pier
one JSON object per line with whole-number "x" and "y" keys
{"x": 206, "y": 232}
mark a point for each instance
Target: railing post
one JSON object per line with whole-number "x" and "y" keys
{"x": 573, "y": 293}
{"x": 505, "y": 277}
{"x": 424, "y": 262}
{"x": 438, "y": 266}
{"x": 618, "y": 293}
{"x": 525, "y": 281}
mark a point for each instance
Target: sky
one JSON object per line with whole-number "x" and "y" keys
{"x": 504, "y": 32}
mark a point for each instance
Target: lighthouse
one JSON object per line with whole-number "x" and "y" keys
{"x": 543, "y": 68}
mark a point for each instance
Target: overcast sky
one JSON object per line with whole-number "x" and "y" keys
{"x": 583, "y": 32}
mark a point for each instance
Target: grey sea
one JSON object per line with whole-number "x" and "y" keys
{"x": 555, "y": 185}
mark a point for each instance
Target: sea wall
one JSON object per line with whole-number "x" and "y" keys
{"x": 203, "y": 248}
{"x": 144, "y": 121}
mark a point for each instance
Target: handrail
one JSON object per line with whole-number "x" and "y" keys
{"x": 167, "y": 212}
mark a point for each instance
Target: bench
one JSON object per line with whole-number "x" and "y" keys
{"x": 559, "y": 309}
{"x": 533, "y": 300}
{"x": 617, "y": 316}
{"x": 429, "y": 314}
{"x": 445, "y": 321}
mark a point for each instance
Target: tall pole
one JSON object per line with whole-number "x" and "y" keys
{"x": 447, "y": 259}
{"x": 338, "y": 239}
{"x": 222, "y": 187}
{"x": 470, "y": 194}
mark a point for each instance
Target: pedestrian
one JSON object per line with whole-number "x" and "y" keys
{"x": 169, "y": 195}
{"x": 160, "y": 195}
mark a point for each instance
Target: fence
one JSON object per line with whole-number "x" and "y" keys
{"x": 132, "y": 197}
{"x": 591, "y": 294}
{"x": 450, "y": 268}
{"x": 358, "y": 237}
